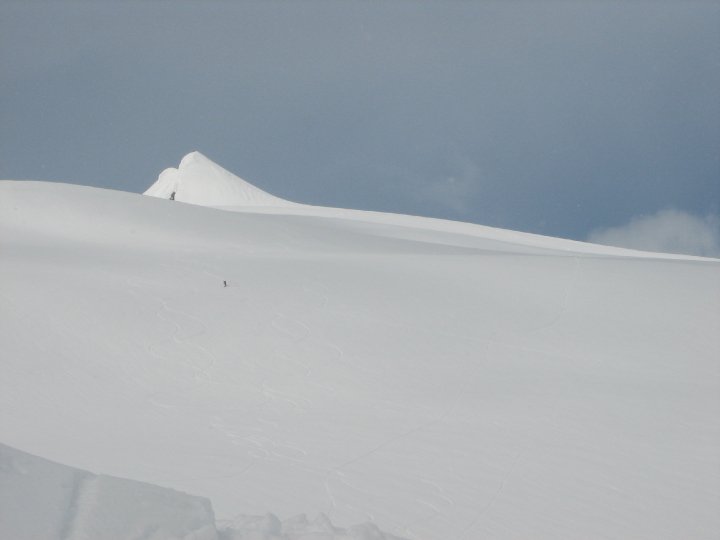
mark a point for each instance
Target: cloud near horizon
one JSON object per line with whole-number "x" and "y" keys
{"x": 667, "y": 231}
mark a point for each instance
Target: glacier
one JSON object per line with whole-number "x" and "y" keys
{"x": 431, "y": 379}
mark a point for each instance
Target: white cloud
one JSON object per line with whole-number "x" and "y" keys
{"x": 450, "y": 192}
{"x": 668, "y": 231}
{"x": 455, "y": 189}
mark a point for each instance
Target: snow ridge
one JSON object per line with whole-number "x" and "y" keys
{"x": 199, "y": 180}
{"x": 44, "y": 500}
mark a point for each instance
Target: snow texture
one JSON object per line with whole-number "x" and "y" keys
{"x": 435, "y": 379}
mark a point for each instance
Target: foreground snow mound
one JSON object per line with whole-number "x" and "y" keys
{"x": 269, "y": 527}
{"x": 43, "y": 500}
{"x": 198, "y": 180}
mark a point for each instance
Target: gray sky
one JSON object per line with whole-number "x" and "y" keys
{"x": 559, "y": 118}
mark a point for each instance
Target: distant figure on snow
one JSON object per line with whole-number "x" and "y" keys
{"x": 224, "y": 283}
{"x": 172, "y": 196}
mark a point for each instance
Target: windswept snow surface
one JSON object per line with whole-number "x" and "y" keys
{"x": 441, "y": 380}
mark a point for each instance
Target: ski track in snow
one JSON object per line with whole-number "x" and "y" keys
{"x": 516, "y": 461}
{"x": 533, "y": 431}
{"x": 258, "y": 446}
{"x": 180, "y": 336}
{"x": 337, "y": 471}
{"x": 565, "y": 301}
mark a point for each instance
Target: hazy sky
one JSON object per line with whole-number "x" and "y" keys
{"x": 559, "y": 118}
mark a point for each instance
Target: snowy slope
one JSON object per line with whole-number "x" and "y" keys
{"x": 442, "y": 380}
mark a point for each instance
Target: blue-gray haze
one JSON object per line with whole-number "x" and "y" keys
{"x": 551, "y": 117}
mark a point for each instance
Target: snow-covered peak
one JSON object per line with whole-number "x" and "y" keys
{"x": 199, "y": 180}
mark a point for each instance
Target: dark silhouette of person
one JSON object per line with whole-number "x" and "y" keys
{"x": 224, "y": 283}
{"x": 172, "y": 196}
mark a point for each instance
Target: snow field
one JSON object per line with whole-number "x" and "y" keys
{"x": 437, "y": 379}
